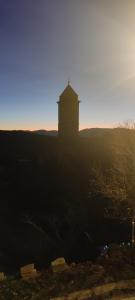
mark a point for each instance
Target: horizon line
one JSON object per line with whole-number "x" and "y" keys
{"x": 43, "y": 129}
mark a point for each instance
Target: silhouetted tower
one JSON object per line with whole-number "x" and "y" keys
{"x": 68, "y": 113}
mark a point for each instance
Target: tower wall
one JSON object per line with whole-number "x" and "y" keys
{"x": 68, "y": 118}
{"x": 68, "y": 113}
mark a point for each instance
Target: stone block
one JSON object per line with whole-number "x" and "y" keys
{"x": 27, "y": 268}
{"x": 59, "y": 265}
{"x": 2, "y": 276}
{"x": 28, "y": 272}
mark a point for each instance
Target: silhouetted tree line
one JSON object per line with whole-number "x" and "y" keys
{"x": 64, "y": 198}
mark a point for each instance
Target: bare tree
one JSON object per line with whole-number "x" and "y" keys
{"x": 128, "y": 124}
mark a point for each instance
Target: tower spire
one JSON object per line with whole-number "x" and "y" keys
{"x": 69, "y": 81}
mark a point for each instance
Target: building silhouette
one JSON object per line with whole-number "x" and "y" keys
{"x": 68, "y": 113}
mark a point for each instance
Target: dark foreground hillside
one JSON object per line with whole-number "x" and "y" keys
{"x": 54, "y": 194}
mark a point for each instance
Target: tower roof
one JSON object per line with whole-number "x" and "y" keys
{"x": 68, "y": 92}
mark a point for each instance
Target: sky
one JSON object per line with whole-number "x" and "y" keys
{"x": 43, "y": 43}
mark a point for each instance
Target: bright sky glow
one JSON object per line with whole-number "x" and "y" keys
{"x": 45, "y": 42}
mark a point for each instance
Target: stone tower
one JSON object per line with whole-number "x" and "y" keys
{"x": 68, "y": 113}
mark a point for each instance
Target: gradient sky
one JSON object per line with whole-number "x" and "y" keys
{"x": 45, "y": 42}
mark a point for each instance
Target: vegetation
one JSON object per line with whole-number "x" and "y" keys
{"x": 52, "y": 285}
{"x": 118, "y": 264}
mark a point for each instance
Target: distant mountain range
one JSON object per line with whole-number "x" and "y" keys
{"x": 46, "y": 132}
{"x": 88, "y": 132}
{"x": 84, "y": 132}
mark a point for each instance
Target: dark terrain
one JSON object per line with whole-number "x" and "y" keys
{"x": 64, "y": 197}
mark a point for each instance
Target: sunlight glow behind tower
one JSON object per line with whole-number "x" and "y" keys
{"x": 42, "y": 44}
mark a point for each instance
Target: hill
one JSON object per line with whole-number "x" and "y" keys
{"x": 52, "y": 196}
